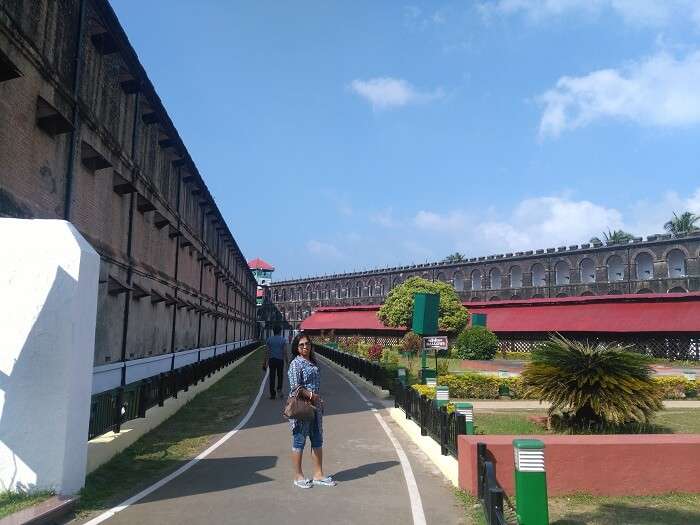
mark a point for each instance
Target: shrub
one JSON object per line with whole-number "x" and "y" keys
{"x": 676, "y": 387}
{"x": 390, "y": 356}
{"x": 592, "y": 388}
{"x": 397, "y": 310}
{"x": 374, "y": 352}
{"x": 516, "y": 388}
{"x": 425, "y": 390}
{"x": 411, "y": 343}
{"x": 443, "y": 368}
{"x": 476, "y": 342}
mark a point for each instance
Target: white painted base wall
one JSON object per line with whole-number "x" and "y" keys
{"x": 48, "y": 305}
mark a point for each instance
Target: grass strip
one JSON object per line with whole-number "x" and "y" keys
{"x": 11, "y": 502}
{"x": 178, "y": 439}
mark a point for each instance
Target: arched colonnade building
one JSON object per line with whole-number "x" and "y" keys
{"x": 659, "y": 264}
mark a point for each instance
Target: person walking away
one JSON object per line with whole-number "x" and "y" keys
{"x": 303, "y": 371}
{"x": 276, "y": 360}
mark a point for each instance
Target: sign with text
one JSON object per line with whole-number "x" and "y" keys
{"x": 438, "y": 342}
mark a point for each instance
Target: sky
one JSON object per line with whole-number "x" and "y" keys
{"x": 342, "y": 136}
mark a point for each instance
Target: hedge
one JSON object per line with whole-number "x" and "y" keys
{"x": 482, "y": 386}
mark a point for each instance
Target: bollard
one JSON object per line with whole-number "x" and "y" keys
{"x": 423, "y": 359}
{"x": 467, "y": 410}
{"x": 401, "y": 374}
{"x": 442, "y": 396}
{"x": 530, "y": 482}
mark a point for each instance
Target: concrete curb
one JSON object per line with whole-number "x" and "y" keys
{"x": 45, "y": 512}
{"x": 447, "y": 464}
{"x": 103, "y": 448}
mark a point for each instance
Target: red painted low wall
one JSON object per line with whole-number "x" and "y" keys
{"x": 611, "y": 465}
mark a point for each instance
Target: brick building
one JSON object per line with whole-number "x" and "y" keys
{"x": 659, "y": 264}
{"x": 84, "y": 137}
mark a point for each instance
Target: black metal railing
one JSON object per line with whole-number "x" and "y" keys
{"x": 445, "y": 428}
{"x": 488, "y": 491}
{"x": 110, "y": 409}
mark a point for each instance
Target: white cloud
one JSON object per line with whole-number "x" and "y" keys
{"x": 658, "y": 91}
{"x": 454, "y": 222}
{"x": 384, "y": 218}
{"x": 650, "y": 13}
{"x": 323, "y": 249}
{"x": 388, "y": 92}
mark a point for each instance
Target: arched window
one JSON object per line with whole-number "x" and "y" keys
{"x": 561, "y": 273}
{"x": 494, "y": 298}
{"x": 308, "y": 293}
{"x": 616, "y": 270}
{"x": 442, "y": 277}
{"x": 476, "y": 280}
{"x": 645, "y": 290}
{"x": 358, "y": 289}
{"x": 675, "y": 261}
{"x": 370, "y": 288}
{"x": 516, "y": 277}
{"x": 677, "y": 289}
{"x": 587, "y": 269}
{"x": 284, "y": 295}
{"x": 562, "y": 294}
{"x": 276, "y": 296}
{"x": 380, "y": 288}
{"x": 495, "y": 279}
{"x": 645, "y": 266}
{"x": 396, "y": 282}
{"x": 458, "y": 281}
{"x": 538, "y": 275}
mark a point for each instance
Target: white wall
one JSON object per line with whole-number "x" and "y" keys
{"x": 48, "y": 291}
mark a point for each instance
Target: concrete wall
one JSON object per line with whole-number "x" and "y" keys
{"x": 48, "y": 284}
{"x": 610, "y": 465}
{"x": 144, "y": 206}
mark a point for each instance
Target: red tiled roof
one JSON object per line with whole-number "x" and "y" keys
{"x": 259, "y": 264}
{"x": 612, "y": 314}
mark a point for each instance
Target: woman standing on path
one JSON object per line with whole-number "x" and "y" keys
{"x": 303, "y": 371}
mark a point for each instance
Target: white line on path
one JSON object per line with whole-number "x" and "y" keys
{"x": 413, "y": 494}
{"x": 158, "y": 484}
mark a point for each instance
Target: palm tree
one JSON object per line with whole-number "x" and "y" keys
{"x": 596, "y": 386}
{"x": 682, "y": 224}
{"x": 455, "y": 257}
{"x": 613, "y": 237}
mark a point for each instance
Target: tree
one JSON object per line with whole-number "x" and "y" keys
{"x": 685, "y": 223}
{"x": 592, "y": 387}
{"x": 398, "y": 308}
{"x": 613, "y": 237}
{"x": 455, "y": 257}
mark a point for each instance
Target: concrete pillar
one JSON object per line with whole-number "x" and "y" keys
{"x": 48, "y": 284}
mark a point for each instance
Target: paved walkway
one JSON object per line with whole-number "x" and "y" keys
{"x": 248, "y": 478}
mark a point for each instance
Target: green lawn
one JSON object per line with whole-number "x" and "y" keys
{"x": 673, "y": 420}
{"x": 12, "y": 501}
{"x": 209, "y": 415}
{"x": 582, "y": 509}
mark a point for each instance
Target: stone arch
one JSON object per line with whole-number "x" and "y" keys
{"x": 538, "y": 296}
{"x": 396, "y": 281}
{"x": 307, "y": 292}
{"x": 370, "y": 288}
{"x": 644, "y": 265}
{"x": 539, "y": 275}
{"x": 645, "y": 290}
{"x": 494, "y": 298}
{"x": 561, "y": 273}
{"x": 476, "y": 279}
{"x": 475, "y": 299}
{"x": 677, "y": 289}
{"x": 616, "y": 268}
{"x": 495, "y": 279}
{"x": 587, "y": 293}
{"x": 562, "y": 294}
{"x": 676, "y": 247}
{"x": 586, "y": 270}
{"x": 442, "y": 277}
{"x": 381, "y": 289}
{"x": 676, "y": 263}
{"x": 515, "y": 297}
{"x": 458, "y": 281}
{"x": 516, "y": 276}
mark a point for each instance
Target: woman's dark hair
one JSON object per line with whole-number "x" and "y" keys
{"x": 295, "y": 347}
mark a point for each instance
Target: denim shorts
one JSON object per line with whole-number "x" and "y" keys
{"x": 304, "y": 429}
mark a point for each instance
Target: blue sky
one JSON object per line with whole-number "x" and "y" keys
{"x": 337, "y": 136}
